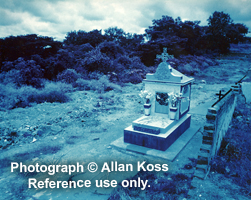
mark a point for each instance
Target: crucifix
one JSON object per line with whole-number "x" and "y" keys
{"x": 220, "y": 95}
{"x": 164, "y": 56}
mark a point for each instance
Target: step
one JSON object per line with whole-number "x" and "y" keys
{"x": 199, "y": 174}
{"x": 203, "y": 168}
{"x": 206, "y": 147}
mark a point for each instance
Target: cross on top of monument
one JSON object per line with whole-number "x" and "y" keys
{"x": 164, "y": 56}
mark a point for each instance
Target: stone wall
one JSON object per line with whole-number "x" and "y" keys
{"x": 218, "y": 118}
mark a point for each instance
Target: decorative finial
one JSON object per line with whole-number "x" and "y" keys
{"x": 164, "y": 56}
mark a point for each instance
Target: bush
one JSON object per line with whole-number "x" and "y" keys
{"x": 12, "y": 97}
{"x": 68, "y": 76}
{"x": 111, "y": 49}
{"x": 95, "y": 75}
{"x": 32, "y": 74}
{"x": 101, "y": 85}
{"x": 10, "y": 77}
{"x": 23, "y": 72}
{"x": 97, "y": 61}
{"x": 192, "y": 65}
{"x": 134, "y": 76}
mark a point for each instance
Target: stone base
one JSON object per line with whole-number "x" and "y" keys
{"x": 154, "y": 124}
{"x": 161, "y": 141}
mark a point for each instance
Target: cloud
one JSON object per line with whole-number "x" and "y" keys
{"x": 56, "y": 18}
{"x": 8, "y": 18}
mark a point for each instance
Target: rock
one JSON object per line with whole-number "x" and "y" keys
{"x": 204, "y": 65}
{"x": 34, "y": 140}
{"x": 39, "y": 132}
{"x": 27, "y": 134}
{"x": 56, "y": 128}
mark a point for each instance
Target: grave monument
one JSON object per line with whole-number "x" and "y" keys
{"x": 167, "y": 102}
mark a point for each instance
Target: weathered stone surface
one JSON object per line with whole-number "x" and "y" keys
{"x": 206, "y": 147}
{"x": 202, "y": 168}
{"x": 202, "y": 160}
{"x": 211, "y": 116}
{"x": 212, "y": 110}
{"x": 207, "y": 138}
{"x": 209, "y": 126}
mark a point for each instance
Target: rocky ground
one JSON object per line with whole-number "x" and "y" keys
{"x": 82, "y": 130}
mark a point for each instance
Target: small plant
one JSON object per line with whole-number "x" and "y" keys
{"x": 175, "y": 98}
{"x": 146, "y": 96}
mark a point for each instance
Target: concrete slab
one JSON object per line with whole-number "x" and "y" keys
{"x": 202, "y": 108}
{"x": 170, "y": 154}
{"x": 160, "y": 141}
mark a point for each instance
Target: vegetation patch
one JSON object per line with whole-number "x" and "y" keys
{"x": 162, "y": 186}
{"x": 234, "y": 157}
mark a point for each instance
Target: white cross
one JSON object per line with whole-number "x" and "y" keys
{"x": 164, "y": 56}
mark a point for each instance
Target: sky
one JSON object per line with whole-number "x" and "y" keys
{"x": 55, "y": 18}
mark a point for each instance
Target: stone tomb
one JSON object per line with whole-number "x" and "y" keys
{"x": 167, "y": 117}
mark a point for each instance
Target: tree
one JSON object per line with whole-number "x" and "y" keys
{"x": 218, "y": 27}
{"x": 222, "y": 31}
{"x": 111, "y": 49}
{"x": 127, "y": 40}
{"x": 161, "y": 28}
{"x": 93, "y": 37}
{"x": 179, "y": 37}
{"x": 115, "y": 33}
{"x": 25, "y": 46}
{"x": 236, "y": 32}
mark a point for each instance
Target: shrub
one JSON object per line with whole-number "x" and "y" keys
{"x": 85, "y": 47}
{"x": 101, "y": 85}
{"x": 124, "y": 60}
{"x": 111, "y": 49}
{"x": 31, "y": 74}
{"x": 47, "y": 96}
{"x": 95, "y": 75}
{"x": 23, "y": 72}
{"x": 68, "y": 76}
{"x": 191, "y": 65}
{"x": 10, "y": 77}
{"x": 97, "y": 61}
{"x": 82, "y": 84}
{"x": 134, "y": 76}
{"x": 12, "y": 97}
{"x": 188, "y": 69}
{"x": 7, "y": 66}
